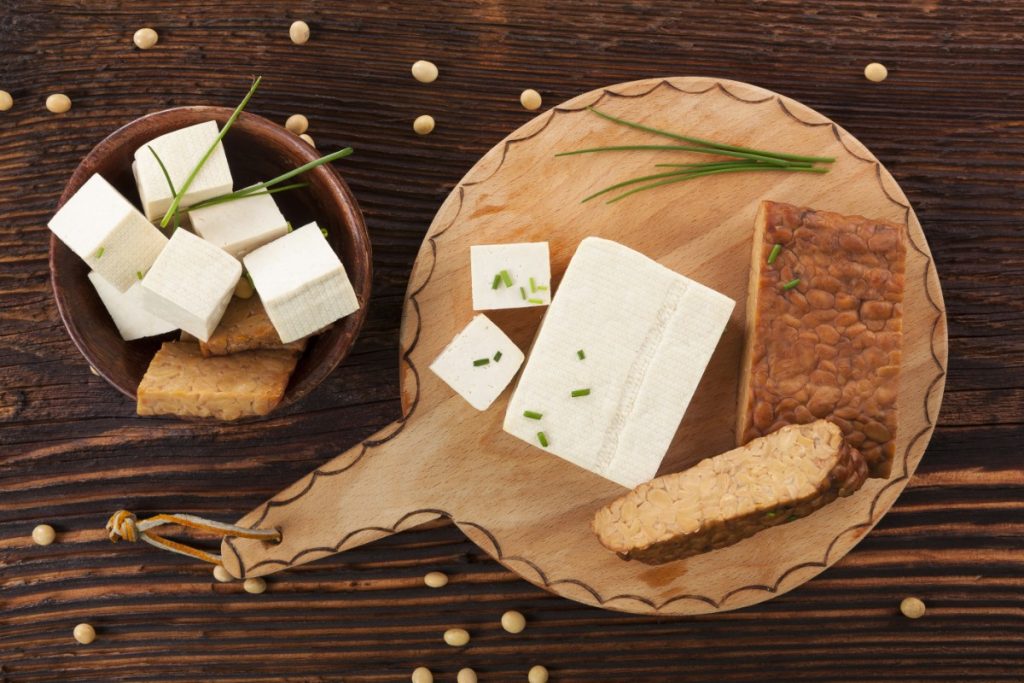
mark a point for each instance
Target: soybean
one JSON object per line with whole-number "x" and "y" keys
{"x": 912, "y": 608}
{"x": 537, "y": 674}
{"x": 255, "y": 585}
{"x": 308, "y": 139}
{"x": 6, "y": 101}
{"x": 436, "y": 579}
{"x": 466, "y": 675}
{"x": 530, "y": 99}
{"x": 145, "y": 38}
{"x": 423, "y": 125}
{"x": 424, "y": 71}
{"x": 84, "y": 633}
{"x": 299, "y": 32}
{"x": 513, "y": 621}
{"x": 43, "y": 534}
{"x": 422, "y": 674}
{"x": 58, "y": 103}
{"x": 875, "y": 72}
{"x": 456, "y": 637}
{"x": 221, "y": 574}
{"x": 297, "y": 123}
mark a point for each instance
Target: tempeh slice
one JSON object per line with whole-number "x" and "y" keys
{"x": 830, "y": 345}
{"x": 180, "y": 381}
{"x": 722, "y": 500}
{"x": 244, "y": 327}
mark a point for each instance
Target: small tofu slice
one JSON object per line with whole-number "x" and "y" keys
{"x": 240, "y": 226}
{"x": 130, "y": 316}
{"x": 479, "y": 362}
{"x": 108, "y": 233}
{"x": 180, "y": 381}
{"x": 180, "y": 151}
{"x": 510, "y": 275}
{"x": 246, "y": 326}
{"x": 302, "y": 282}
{"x": 190, "y": 284}
{"x": 645, "y": 334}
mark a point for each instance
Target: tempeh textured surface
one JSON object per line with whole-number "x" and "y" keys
{"x": 946, "y": 123}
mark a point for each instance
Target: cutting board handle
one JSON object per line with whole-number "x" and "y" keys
{"x": 366, "y": 493}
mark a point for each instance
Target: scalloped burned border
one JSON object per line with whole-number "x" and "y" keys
{"x": 542, "y": 578}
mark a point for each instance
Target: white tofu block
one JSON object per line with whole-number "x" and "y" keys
{"x": 461, "y": 365}
{"x": 126, "y": 309}
{"x": 240, "y": 226}
{"x": 180, "y": 150}
{"x": 528, "y": 265}
{"x": 190, "y": 284}
{"x": 646, "y": 333}
{"x": 302, "y": 283}
{"x": 108, "y": 233}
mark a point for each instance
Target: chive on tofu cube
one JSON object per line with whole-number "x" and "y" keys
{"x": 240, "y": 226}
{"x": 479, "y": 362}
{"x": 180, "y": 151}
{"x": 127, "y": 311}
{"x": 108, "y": 233}
{"x": 510, "y": 275}
{"x": 302, "y": 283}
{"x": 190, "y": 284}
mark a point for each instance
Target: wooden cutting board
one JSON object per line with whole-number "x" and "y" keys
{"x": 530, "y": 510}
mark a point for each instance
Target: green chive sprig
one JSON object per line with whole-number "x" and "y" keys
{"x": 743, "y": 159}
{"x": 497, "y": 356}
{"x": 576, "y": 393}
{"x": 481, "y": 361}
{"x": 506, "y": 278}
{"x": 543, "y": 439}
{"x": 532, "y": 415}
{"x": 791, "y": 284}
{"x": 774, "y": 254}
{"x": 580, "y": 354}
{"x": 99, "y": 252}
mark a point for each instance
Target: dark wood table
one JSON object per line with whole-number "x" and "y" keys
{"x": 947, "y": 123}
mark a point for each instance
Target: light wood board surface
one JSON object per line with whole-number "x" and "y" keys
{"x": 531, "y": 510}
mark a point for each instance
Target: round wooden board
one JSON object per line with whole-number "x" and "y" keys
{"x": 531, "y": 510}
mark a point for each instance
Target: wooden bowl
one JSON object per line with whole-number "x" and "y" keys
{"x": 257, "y": 150}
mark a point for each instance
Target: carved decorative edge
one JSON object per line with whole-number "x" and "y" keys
{"x": 542, "y": 578}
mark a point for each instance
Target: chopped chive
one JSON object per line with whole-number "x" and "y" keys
{"x": 576, "y": 393}
{"x": 791, "y": 518}
{"x": 580, "y": 354}
{"x": 532, "y": 415}
{"x": 138, "y": 274}
{"x": 506, "y": 278}
{"x": 497, "y": 356}
{"x": 496, "y": 282}
{"x": 533, "y": 285}
{"x": 542, "y": 288}
{"x": 775, "y": 254}
{"x": 481, "y": 361}
{"x": 522, "y": 293}
{"x": 542, "y": 437}
{"x": 535, "y": 301}
{"x": 163, "y": 168}
{"x": 99, "y": 252}
{"x": 791, "y": 284}
{"x": 323, "y": 231}
{"x": 289, "y": 224}
{"x": 769, "y": 515}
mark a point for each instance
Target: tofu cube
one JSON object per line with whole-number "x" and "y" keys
{"x": 510, "y": 275}
{"x": 302, "y": 283}
{"x": 616, "y": 361}
{"x": 108, "y": 233}
{"x": 190, "y": 284}
{"x": 479, "y": 362}
{"x": 240, "y": 226}
{"x": 180, "y": 151}
{"x": 126, "y": 309}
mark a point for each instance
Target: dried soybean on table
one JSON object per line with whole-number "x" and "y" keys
{"x": 946, "y": 123}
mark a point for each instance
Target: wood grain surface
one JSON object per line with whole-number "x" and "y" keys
{"x": 946, "y": 123}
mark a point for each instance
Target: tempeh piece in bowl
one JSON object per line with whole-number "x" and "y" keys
{"x": 722, "y": 500}
{"x": 824, "y": 327}
{"x": 244, "y": 327}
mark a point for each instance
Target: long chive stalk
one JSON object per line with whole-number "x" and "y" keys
{"x": 176, "y": 202}
{"x": 253, "y": 189}
{"x": 688, "y": 175}
{"x": 225, "y": 198}
{"x": 680, "y": 148}
{"x": 730, "y": 165}
{"x": 710, "y": 143}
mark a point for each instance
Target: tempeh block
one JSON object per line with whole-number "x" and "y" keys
{"x": 722, "y": 500}
{"x": 180, "y": 381}
{"x": 830, "y": 346}
{"x": 244, "y": 327}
